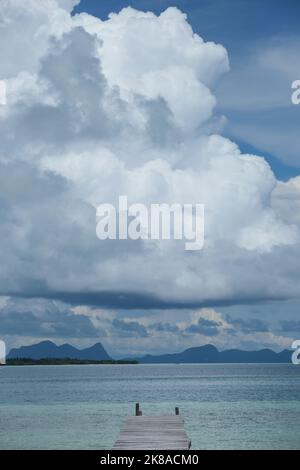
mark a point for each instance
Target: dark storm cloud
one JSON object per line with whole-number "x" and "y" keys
{"x": 42, "y": 318}
{"x": 290, "y": 325}
{"x": 251, "y": 325}
{"x": 204, "y": 327}
{"x": 129, "y": 328}
{"x": 164, "y": 327}
{"x": 118, "y": 299}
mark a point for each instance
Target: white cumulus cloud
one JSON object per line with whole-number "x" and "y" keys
{"x": 126, "y": 106}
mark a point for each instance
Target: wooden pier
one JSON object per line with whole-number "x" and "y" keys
{"x": 164, "y": 432}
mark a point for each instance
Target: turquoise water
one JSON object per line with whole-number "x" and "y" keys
{"x": 228, "y": 406}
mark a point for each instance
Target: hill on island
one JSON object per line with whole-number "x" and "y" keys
{"x": 209, "y": 354}
{"x": 47, "y": 349}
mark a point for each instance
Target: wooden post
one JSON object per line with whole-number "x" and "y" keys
{"x": 177, "y": 411}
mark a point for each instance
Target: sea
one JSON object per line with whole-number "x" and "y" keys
{"x": 225, "y": 406}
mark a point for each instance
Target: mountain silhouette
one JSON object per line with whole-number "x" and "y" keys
{"x": 209, "y": 354}
{"x": 49, "y": 350}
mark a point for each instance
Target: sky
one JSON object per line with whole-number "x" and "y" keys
{"x": 167, "y": 102}
{"x": 264, "y": 56}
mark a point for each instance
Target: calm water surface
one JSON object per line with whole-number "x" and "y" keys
{"x": 225, "y": 406}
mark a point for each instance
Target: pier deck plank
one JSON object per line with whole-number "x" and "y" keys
{"x": 153, "y": 433}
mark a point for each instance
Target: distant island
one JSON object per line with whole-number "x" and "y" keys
{"x": 47, "y": 352}
{"x": 209, "y": 354}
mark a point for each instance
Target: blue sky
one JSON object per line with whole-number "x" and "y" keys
{"x": 243, "y": 27}
{"x": 234, "y": 23}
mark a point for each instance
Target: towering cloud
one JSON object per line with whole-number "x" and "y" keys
{"x": 96, "y": 109}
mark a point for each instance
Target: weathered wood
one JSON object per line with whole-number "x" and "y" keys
{"x": 153, "y": 433}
